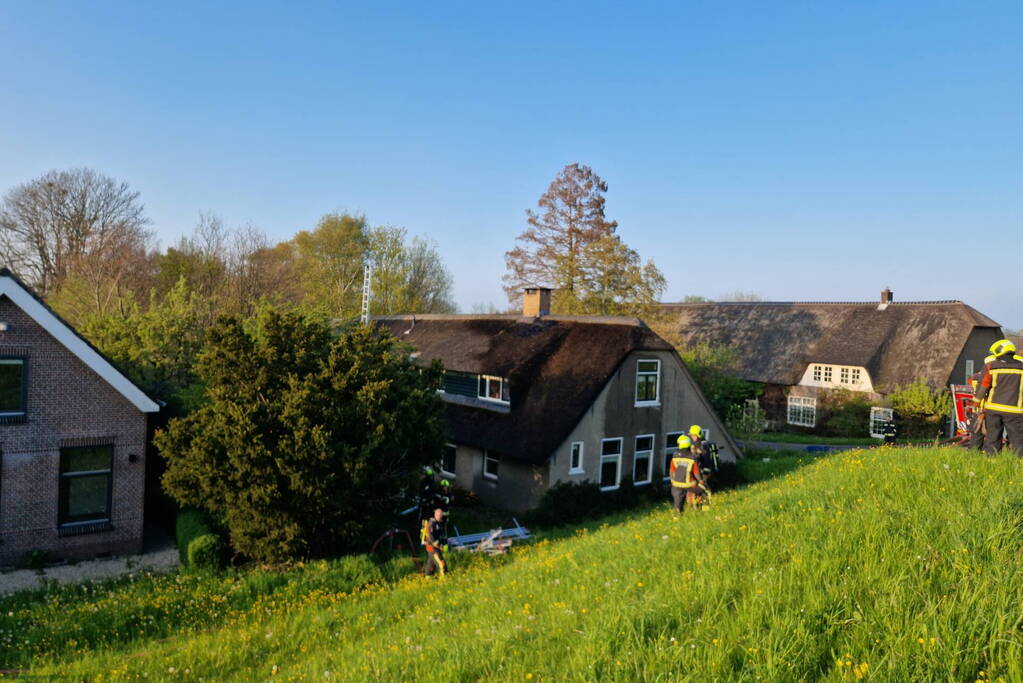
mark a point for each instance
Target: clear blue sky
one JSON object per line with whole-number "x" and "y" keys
{"x": 800, "y": 150}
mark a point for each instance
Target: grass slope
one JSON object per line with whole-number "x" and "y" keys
{"x": 885, "y": 564}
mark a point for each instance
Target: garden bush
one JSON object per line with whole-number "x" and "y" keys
{"x": 205, "y": 552}
{"x": 190, "y": 525}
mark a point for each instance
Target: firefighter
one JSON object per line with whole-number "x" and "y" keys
{"x": 435, "y": 541}
{"x": 1001, "y": 391}
{"x": 889, "y": 431}
{"x": 442, "y": 499}
{"x": 427, "y": 494}
{"x": 687, "y": 483}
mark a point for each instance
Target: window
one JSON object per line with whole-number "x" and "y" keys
{"x": 802, "y": 411}
{"x": 490, "y": 463}
{"x": 610, "y": 464}
{"x": 670, "y": 446}
{"x": 575, "y": 466}
{"x": 494, "y": 389}
{"x": 816, "y": 373}
{"x": 461, "y": 383}
{"x": 448, "y": 459}
{"x": 647, "y": 374}
{"x": 86, "y": 476}
{"x": 855, "y": 375}
{"x": 827, "y": 373}
{"x": 969, "y": 370}
{"x": 843, "y": 375}
{"x": 878, "y": 416}
{"x": 641, "y": 461}
{"x": 12, "y": 387}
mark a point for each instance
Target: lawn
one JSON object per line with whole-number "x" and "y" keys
{"x": 888, "y": 564}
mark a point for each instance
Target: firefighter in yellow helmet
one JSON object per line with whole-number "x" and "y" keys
{"x": 435, "y": 542}
{"x": 1001, "y": 391}
{"x": 687, "y": 483}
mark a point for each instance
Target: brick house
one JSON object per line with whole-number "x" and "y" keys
{"x": 537, "y": 399}
{"x": 72, "y": 438}
{"x": 803, "y": 352}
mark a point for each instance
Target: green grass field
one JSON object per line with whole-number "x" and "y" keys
{"x": 888, "y": 564}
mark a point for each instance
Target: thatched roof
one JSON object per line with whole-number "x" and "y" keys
{"x": 775, "y": 341}
{"x": 557, "y": 365}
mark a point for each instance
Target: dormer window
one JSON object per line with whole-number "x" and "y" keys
{"x": 493, "y": 388}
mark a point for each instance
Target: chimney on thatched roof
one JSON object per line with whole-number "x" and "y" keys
{"x": 886, "y": 296}
{"x": 537, "y": 302}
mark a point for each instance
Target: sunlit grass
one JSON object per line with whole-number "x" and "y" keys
{"x": 889, "y": 564}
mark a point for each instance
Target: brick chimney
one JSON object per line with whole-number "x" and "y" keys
{"x": 886, "y": 296}
{"x": 537, "y": 302}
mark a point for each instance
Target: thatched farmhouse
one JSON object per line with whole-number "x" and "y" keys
{"x": 72, "y": 438}
{"x": 537, "y": 399}
{"x": 801, "y": 351}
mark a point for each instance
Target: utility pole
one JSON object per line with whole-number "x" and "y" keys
{"x": 367, "y": 274}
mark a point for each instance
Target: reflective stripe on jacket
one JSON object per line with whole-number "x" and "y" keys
{"x": 683, "y": 470}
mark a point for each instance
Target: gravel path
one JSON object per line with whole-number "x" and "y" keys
{"x": 161, "y": 560}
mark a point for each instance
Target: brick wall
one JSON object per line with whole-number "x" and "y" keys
{"x": 68, "y": 404}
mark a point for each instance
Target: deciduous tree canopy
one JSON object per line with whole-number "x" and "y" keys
{"x": 571, "y": 247}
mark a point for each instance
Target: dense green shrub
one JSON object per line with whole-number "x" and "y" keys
{"x": 190, "y": 525}
{"x": 34, "y": 559}
{"x": 309, "y": 438}
{"x": 920, "y": 410}
{"x": 569, "y": 502}
{"x": 205, "y": 552}
{"x": 849, "y": 418}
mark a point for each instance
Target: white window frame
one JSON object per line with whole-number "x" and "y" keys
{"x": 657, "y": 382}
{"x": 801, "y": 404}
{"x": 486, "y": 381}
{"x": 843, "y": 375}
{"x": 444, "y": 471}
{"x": 617, "y": 457}
{"x": 875, "y": 417}
{"x": 647, "y": 454}
{"x": 855, "y": 376}
{"x": 817, "y": 372}
{"x": 829, "y": 373}
{"x": 581, "y": 469}
{"x": 487, "y": 457}
{"x": 669, "y": 450}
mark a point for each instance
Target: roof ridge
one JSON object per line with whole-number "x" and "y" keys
{"x": 827, "y": 303}
{"x": 517, "y": 317}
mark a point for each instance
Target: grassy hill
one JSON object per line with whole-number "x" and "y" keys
{"x": 883, "y": 565}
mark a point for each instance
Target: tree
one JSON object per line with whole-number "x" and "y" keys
{"x": 739, "y": 295}
{"x": 550, "y": 249}
{"x": 329, "y": 261}
{"x": 65, "y": 220}
{"x": 308, "y": 442}
{"x": 613, "y": 282}
{"x": 571, "y": 247}
{"x": 407, "y": 278}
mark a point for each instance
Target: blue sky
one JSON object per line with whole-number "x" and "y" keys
{"x": 800, "y": 150}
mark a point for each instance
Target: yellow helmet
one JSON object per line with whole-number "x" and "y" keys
{"x": 684, "y": 442}
{"x": 1002, "y": 346}
{"x": 695, "y": 430}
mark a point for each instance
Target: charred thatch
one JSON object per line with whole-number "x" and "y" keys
{"x": 556, "y": 366}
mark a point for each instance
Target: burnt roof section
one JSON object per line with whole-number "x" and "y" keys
{"x": 557, "y": 365}
{"x": 775, "y": 341}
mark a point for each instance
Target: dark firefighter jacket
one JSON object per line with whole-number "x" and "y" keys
{"x": 1002, "y": 386}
